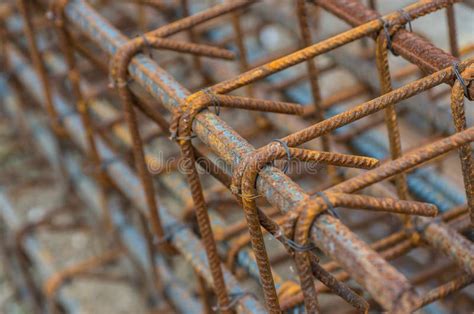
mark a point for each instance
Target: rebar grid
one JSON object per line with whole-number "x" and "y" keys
{"x": 120, "y": 106}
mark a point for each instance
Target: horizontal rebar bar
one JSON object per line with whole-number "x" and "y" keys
{"x": 254, "y": 220}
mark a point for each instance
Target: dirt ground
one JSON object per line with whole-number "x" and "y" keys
{"x": 34, "y": 189}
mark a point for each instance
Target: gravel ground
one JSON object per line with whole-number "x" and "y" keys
{"x": 23, "y": 175}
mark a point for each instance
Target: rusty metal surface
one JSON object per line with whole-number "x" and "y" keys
{"x": 339, "y": 183}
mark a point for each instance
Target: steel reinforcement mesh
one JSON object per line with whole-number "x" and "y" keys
{"x": 251, "y": 156}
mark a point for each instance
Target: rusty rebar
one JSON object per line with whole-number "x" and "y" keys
{"x": 465, "y": 152}
{"x": 222, "y": 220}
{"x": 82, "y": 105}
{"x": 39, "y": 64}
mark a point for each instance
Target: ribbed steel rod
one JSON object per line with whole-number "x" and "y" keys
{"x": 230, "y": 146}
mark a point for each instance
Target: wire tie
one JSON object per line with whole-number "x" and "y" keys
{"x": 388, "y": 37}
{"x": 214, "y": 100}
{"x": 460, "y": 79}
{"x": 288, "y": 154}
{"x": 329, "y": 204}
{"x": 147, "y": 46}
{"x": 174, "y": 134}
{"x": 407, "y": 17}
{"x": 249, "y": 196}
{"x": 292, "y": 244}
{"x": 300, "y": 248}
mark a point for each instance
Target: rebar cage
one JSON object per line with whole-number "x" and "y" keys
{"x": 258, "y": 141}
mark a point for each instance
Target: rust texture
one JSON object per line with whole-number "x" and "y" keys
{"x": 232, "y": 141}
